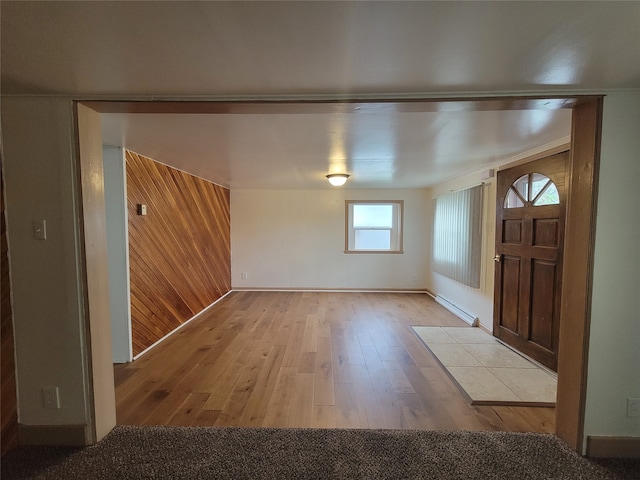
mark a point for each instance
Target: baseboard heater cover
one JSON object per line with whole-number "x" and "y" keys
{"x": 457, "y": 311}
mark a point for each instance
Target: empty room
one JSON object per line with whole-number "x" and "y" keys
{"x": 314, "y": 328}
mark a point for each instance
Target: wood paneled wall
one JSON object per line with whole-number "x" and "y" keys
{"x": 8, "y": 397}
{"x": 179, "y": 253}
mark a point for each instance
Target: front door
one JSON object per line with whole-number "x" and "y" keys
{"x": 530, "y": 217}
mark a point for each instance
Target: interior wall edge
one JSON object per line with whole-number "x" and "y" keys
{"x": 9, "y": 393}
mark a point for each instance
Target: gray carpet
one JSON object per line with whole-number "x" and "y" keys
{"x": 244, "y": 453}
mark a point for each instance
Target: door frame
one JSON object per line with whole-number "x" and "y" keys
{"x": 575, "y": 313}
{"x": 579, "y": 242}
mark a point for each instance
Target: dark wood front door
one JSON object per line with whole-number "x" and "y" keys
{"x": 530, "y": 217}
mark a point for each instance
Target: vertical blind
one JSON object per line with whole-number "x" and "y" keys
{"x": 457, "y": 236}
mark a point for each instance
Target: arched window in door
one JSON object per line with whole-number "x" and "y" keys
{"x": 532, "y": 190}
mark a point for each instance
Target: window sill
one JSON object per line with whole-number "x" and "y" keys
{"x": 376, "y": 252}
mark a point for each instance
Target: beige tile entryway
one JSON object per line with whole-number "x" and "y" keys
{"x": 487, "y": 371}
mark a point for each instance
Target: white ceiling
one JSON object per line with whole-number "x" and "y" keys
{"x": 379, "y": 149}
{"x": 322, "y": 50}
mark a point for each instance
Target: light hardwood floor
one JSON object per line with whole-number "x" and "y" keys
{"x": 307, "y": 359}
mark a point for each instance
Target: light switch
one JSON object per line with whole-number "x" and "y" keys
{"x": 40, "y": 229}
{"x": 142, "y": 209}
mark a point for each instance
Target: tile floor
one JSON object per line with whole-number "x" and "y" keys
{"x": 488, "y": 371}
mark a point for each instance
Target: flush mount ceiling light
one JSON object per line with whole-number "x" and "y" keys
{"x": 337, "y": 179}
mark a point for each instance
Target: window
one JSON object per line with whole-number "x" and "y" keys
{"x": 457, "y": 236}
{"x": 542, "y": 192}
{"x": 374, "y": 226}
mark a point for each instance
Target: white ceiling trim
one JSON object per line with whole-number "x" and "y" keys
{"x": 555, "y": 146}
{"x": 351, "y": 97}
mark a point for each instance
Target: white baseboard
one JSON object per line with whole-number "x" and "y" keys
{"x": 457, "y": 311}
{"x": 178, "y": 328}
{"x": 329, "y": 290}
{"x": 613, "y": 447}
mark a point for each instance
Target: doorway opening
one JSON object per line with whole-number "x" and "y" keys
{"x": 578, "y": 243}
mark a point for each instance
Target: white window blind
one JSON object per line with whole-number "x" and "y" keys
{"x": 457, "y": 236}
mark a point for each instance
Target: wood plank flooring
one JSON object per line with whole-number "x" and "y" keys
{"x": 308, "y": 359}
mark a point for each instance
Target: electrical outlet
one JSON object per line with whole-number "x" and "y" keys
{"x": 633, "y": 407}
{"x": 243, "y": 276}
{"x": 51, "y": 398}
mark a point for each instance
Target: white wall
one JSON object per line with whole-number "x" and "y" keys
{"x": 614, "y": 348}
{"x": 40, "y": 168}
{"x": 115, "y": 193}
{"x": 476, "y": 301}
{"x": 295, "y": 239}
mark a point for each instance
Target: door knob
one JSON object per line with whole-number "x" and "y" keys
{"x": 497, "y": 258}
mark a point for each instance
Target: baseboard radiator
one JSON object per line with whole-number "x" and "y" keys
{"x": 457, "y": 311}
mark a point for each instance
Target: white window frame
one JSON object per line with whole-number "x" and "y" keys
{"x": 395, "y": 230}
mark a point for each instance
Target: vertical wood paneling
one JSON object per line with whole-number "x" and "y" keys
{"x": 8, "y": 399}
{"x": 179, "y": 253}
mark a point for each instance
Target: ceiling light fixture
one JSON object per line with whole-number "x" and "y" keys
{"x": 337, "y": 179}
